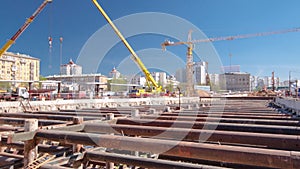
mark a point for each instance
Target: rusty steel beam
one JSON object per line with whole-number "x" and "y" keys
{"x": 42, "y": 148}
{"x": 143, "y": 162}
{"x": 20, "y": 121}
{"x": 48, "y": 166}
{"x": 195, "y": 114}
{"x": 24, "y": 136}
{"x": 252, "y": 98}
{"x": 227, "y": 112}
{"x": 63, "y": 160}
{"x": 77, "y": 113}
{"x": 11, "y": 155}
{"x": 276, "y": 141}
{"x": 8, "y": 160}
{"x": 43, "y": 116}
{"x": 10, "y": 128}
{"x": 290, "y": 130}
{"x": 222, "y": 153}
{"x": 225, "y": 120}
{"x": 50, "y": 149}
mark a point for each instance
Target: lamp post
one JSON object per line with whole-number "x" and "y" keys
{"x": 290, "y": 82}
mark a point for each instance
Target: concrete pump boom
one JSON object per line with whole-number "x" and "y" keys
{"x": 12, "y": 40}
{"x": 134, "y": 57}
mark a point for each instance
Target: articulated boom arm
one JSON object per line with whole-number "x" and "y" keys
{"x": 12, "y": 40}
{"x": 134, "y": 57}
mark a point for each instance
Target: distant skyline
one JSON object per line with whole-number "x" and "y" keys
{"x": 76, "y": 21}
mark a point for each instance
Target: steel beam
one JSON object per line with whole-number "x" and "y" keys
{"x": 290, "y": 130}
{"x": 221, "y": 153}
{"x": 143, "y": 162}
{"x": 76, "y": 113}
{"x": 225, "y": 120}
{"x": 217, "y": 115}
{"x": 20, "y": 121}
{"x": 43, "y": 116}
{"x": 24, "y": 136}
{"x": 276, "y": 141}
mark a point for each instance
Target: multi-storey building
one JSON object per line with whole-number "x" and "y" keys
{"x": 114, "y": 73}
{"x": 200, "y": 70}
{"x": 160, "y": 77}
{"x": 181, "y": 75}
{"x": 70, "y": 69}
{"x": 21, "y": 67}
{"x": 81, "y": 82}
{"x": 236, "y": 81}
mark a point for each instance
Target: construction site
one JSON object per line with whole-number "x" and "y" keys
{"x": 150, "y": 127}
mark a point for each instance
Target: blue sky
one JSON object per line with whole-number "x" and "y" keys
{"x": 77, "y": 20}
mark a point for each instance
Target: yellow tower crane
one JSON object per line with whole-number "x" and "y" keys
{"x": 12, "y": 40}
{"x": 190, "y": 43}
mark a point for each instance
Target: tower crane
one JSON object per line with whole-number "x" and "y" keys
{"x": 149, "y": 78}
{"x": 190, "y": 43}
{"x": 12, "y": 40}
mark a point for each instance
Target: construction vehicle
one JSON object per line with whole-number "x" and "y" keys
{"x": 18, "y": 93}
{"x": 152, "y": 86}
{"x": 190, "y": 43}
{"x": 12, "y": 40}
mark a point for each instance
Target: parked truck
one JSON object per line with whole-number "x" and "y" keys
{"x": 19, "y": 93}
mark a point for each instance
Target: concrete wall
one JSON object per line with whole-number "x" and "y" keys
{"x": 10, "y": 107}
{"x": 292, "y": 105}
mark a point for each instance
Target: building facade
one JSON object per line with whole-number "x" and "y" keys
{"x": 114, "y": 73}
{"x": 138, "y": 80}
{"x": 180, "y": 75}
{"x": 200, "y": 70}
{"x": 16, "y": 66}
{"x": 83, "y": 82}
{"x": 236, "y": 81}
{"x": 160, "y": 77}
{"x": 70, "y": 69}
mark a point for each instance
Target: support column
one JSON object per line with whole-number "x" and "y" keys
{"x": 135, "y": 113}
{"x": 110, "y": 165}
{"x": 30, "y": 146}
{"x": 77, "y": 147}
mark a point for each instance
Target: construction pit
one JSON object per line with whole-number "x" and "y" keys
{"x": 201, "y": 133}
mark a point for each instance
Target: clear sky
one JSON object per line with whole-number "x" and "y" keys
{"x": 77, "y": 20}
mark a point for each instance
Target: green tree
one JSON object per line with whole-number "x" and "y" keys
{"x": 5, "y": 85}
{"x": 118, "y": 87}
{"x": 41, "y": 78}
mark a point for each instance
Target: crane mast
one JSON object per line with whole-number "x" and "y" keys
{"x": 191, "y": 42}
{"x": 12, "y": 40}
{"x": 134, "y": 56}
